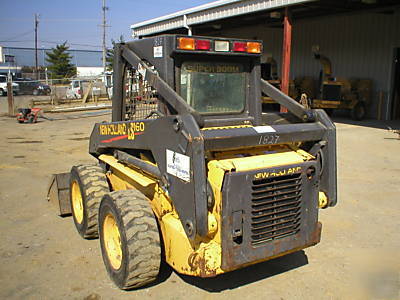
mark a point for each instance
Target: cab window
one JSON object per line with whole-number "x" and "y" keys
{"x": 213, "y": 87}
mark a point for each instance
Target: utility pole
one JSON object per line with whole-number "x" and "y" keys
{"x": 36, "y": 46}
{"x": 104, "y": 25}
{"x": 10, "y": 96}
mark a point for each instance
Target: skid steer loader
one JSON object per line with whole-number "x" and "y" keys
{"x": 203, "y": 178}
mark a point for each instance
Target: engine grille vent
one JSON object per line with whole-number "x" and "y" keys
{"x": 276, "y": 204}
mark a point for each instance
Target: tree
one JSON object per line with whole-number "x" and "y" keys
{"x": 60, "y": 62}
{"x": 110, "y": 53}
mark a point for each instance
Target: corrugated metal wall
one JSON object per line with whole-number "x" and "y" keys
{"x": 359, "y": 46}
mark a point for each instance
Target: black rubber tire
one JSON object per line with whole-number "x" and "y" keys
{"x": 93, "y": 186}
{"x": 140, "y": 238}
{"x": 358, "y": 112}
{"x": 2, "y": 93}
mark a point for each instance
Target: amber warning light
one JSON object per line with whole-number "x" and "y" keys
{"x": 186, "y": 43}
{"x": 253, "y": 47}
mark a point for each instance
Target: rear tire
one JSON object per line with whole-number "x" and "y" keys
{"x": 88, "y": 185}
{"x": 129, "y": 239}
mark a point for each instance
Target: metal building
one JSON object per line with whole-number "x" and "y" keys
{"x": 361, "y": 37}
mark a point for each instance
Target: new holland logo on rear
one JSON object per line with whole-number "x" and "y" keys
{"x": 289, "y": 171}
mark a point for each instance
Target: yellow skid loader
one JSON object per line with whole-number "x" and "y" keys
{"x": 202, "y": 178}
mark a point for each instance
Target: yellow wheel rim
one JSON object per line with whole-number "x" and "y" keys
{"x": 112, "y": 241}
{"x": 77, "y": 201}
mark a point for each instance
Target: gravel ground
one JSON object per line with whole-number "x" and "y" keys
{"x": 43, "y": 257}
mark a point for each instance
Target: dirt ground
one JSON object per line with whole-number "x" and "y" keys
{"x": 43, "y": 257}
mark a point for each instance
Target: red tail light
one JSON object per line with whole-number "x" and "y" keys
{"x": 79, "y": 92}
{"x": 239, "y": 46}
{"x": 203, "y": 45}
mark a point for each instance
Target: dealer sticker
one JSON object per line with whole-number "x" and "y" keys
{"x": 178, "y": 165}
{"x": 158, "y": 51}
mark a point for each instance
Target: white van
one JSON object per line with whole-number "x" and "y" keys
{"x": 3, "y": 86}
{"x": 75, "y": 89}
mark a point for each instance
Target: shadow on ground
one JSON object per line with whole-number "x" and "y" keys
{"x": 394, "y": 124}
{"x": 344, "y": 117}
{"x": 238, "y": 278}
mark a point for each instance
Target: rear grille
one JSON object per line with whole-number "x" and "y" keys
{"x": 275, "y": 206}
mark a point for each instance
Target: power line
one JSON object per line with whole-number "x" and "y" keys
{"x": 52, "y": 19}
{"x": 17, "y": 36}
{"x": 73, "y": 44}
{"x": 17, "y": 41}
{"x": 69, "y": 20}
{"x": 54, "y": 42}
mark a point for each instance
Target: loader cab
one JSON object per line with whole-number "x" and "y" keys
{"x": 213, "y": 87}
{"x": 217, "y": 77}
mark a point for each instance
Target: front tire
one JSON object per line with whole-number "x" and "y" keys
{"x": 88, "y": 184}
{"x": 129, "y": 239}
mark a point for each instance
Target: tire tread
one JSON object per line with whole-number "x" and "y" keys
{"x": 95, "y": 186}
{"x": 142, "y": 236}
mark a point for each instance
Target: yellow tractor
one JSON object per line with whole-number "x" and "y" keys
{"x": 202, "y": 178}
{"x": 336, "y": 93}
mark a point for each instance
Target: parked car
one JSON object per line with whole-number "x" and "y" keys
{"x": 3, "y": 86}
{"x": 32, "y": 87}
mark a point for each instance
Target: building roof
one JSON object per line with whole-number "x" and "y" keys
{"x": 207, "y": 13}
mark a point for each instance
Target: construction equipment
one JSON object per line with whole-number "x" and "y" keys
{"x": 203, "y": 179}
{"x": 336, "y": 93}
{"x": 269, "y": 72}
{"x": 29, "y": 115}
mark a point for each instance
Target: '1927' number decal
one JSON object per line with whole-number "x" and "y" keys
{"x": 270, "y": 139}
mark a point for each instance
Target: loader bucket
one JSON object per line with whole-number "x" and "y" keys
{"x": 58, "y": 194}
